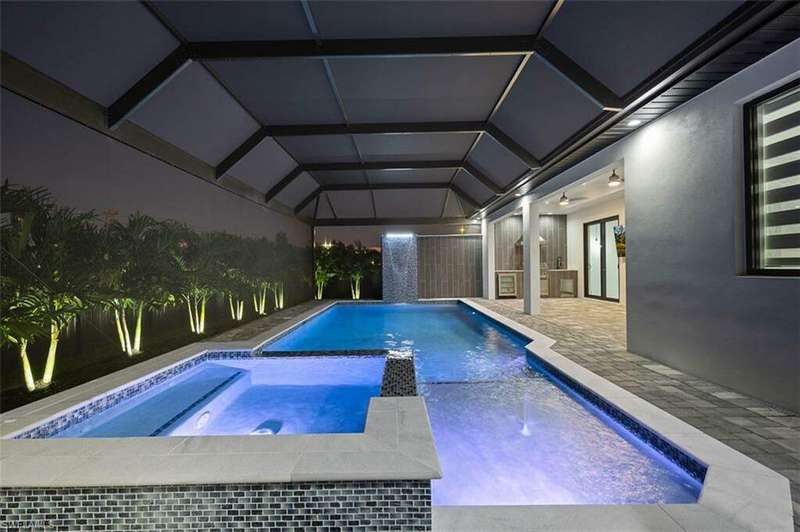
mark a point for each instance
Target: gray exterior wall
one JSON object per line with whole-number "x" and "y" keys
{"x": 689, "y": 303}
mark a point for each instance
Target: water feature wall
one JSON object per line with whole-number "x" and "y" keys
{"x": 399, "y": 268}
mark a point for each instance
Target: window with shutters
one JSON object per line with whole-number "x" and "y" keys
{"x": 772, "y": 165}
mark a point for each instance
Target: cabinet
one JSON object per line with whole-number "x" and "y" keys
{"x": 506, "y": 284}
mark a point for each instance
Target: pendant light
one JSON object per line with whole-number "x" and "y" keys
{"x": 564, "y": 201}
{"x": 614, "y": 180}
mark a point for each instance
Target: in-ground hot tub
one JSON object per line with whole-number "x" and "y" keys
{"x": 219, "y": 396}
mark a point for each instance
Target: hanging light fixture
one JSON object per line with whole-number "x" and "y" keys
{"x": 614, "y": 180}
{"x": 564, "y": 201}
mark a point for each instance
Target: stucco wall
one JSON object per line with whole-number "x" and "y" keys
{"x": 689, "y": 304}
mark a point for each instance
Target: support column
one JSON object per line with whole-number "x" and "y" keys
{"x": 530, "y": 257}
{"x": 489, "y": 276}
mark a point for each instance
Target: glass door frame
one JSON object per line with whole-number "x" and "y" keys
{"x": 603, "y": 265}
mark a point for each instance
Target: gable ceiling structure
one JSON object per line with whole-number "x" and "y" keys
{"x": 364, "y": 112}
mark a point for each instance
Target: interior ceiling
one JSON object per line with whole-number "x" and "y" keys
{"x": 449, "y": 108}
{"x": 585, "y": 192}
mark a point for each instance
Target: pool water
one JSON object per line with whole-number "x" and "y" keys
{"x": 285, "y": 395}
{"x": 505, "y": 433}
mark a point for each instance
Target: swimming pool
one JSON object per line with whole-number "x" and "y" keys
{"x": 257, "y": 396}
{"x": 506, "y": 430}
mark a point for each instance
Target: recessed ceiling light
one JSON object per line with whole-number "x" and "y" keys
{"x": 547, "y": 202}
{"x": 634, "y": 122}
{"x": 564, "y": 201}
{"x": 518, "y": 194}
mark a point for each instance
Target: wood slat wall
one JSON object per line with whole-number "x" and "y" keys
{"x": 449, "y": 266}
{"x": 553, "y": 229}
{"x": 507, "y": 232}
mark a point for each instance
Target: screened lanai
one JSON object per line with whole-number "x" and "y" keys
{"x": 361, "y": 113}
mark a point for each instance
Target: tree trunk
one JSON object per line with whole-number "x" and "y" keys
{"x": 203, "y": 315}
{"x": 51, "y": 356}
{"x": 128, "y": 348}
{"x": 119, "y": 329}
{"x": 137, "y": 339}
{"x": 30, "y": 384}
{"x": 191, "y": 315}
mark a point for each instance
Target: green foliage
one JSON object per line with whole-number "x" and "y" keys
{"x": 57, "y": 262}
{"x": 350, "y": 262}
{"x": 50, "y": 258}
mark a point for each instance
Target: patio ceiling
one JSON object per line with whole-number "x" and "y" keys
{"x": 372, "y": 112}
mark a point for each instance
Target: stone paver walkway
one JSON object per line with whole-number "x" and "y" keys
{"x": 591, "y": 333}
{"x": 595, "y": 317}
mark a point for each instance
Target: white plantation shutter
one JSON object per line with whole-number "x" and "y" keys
{"x": 775, "y": 183}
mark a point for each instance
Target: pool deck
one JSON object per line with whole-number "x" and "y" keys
{"x": 739, "y": 493}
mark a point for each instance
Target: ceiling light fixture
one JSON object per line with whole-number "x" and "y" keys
{"x": 614, "y": 180}
{"x": 564, "y": 201}
{"x": 635, "y": 122}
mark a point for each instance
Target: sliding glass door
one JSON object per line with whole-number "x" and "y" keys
{"x": 600, "y": 262}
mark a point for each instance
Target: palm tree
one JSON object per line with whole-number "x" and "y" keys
{"x": 359, "y": 264}
{"x": 283, "y": 251}
{"x": 139, "y": 274}
{"x": 199, "y": 277}
{"x": 326, "y": 265}
{"x": 231, "y": 254}
{"x": 258, "y": 270}
{"x": 50, "y": 258}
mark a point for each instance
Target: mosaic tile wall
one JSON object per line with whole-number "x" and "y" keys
{"x": 399, "y": 376}
{"x": 399, "y": 269}
{"x": 374, "y": 505}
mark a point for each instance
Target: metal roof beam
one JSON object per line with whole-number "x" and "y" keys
{"x": 580, "y": 78}
{"x": 483, "y": 178}
{"x": 377, "y": 165}
{"x": 308, "y": 199}
{"x": 149, "y": 85}
{"x": 511, "y": 145}
{"x": 386, "y": 186}
{"x": 283, "y": 183}
{"x": 239, "y": 153}
{"x": 481, "y": 45}
{"x": 390, "y": 221}
{"x": 374, "y": 129}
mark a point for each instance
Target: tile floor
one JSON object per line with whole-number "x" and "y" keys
{"x": 592, "y": 333}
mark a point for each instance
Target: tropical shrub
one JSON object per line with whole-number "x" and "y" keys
{"x": 347, "y": 262}
{"x": 51, "y": 257}
{"x": 58, "y": 263}
{"x": 139, "y": 274}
